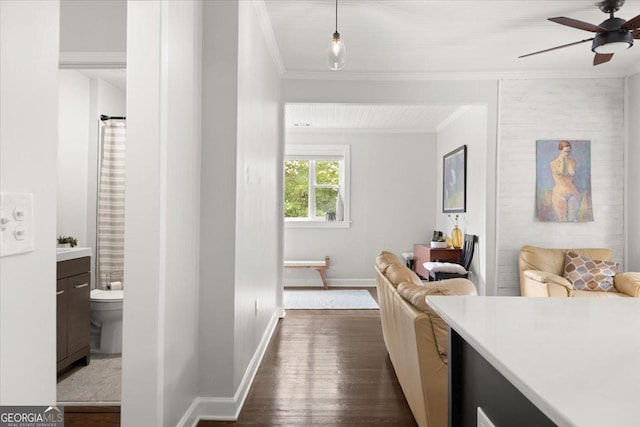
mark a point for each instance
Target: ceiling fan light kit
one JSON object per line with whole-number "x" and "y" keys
{"x": 337, "y": 51}
{"x": 612, "y": 42}
{"x": 612, "y": 36}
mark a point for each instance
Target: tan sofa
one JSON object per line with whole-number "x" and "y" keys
{"x": 415, "y": 336}
{"x": 542, "y": 270}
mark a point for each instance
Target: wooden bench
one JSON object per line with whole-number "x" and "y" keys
{"x": 319, "y": 266}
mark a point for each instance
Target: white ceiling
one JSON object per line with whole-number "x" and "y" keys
{"x": 366, "y": 117}
{"x": 416, "y": 39}
{"x": 408, "y": 39}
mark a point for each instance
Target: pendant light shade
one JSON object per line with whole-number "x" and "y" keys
{"x": 336, "y": 52}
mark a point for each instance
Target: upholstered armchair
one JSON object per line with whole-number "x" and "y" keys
{"x": 542, "y": 274}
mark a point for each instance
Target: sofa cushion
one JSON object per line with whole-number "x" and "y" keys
{"x": 591, "y": 294}
{"x": 416, "y": 294}
{"x": 628, "y": 283}
{"x": 586, "y": 274}
{"x": 385, "y": 259}
{"x": 553, "y": 260}
{"x": 398, "y": 273}
{"x": 461, "y": 287}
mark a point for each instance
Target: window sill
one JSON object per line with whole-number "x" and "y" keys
{"x": 316, "y": 224}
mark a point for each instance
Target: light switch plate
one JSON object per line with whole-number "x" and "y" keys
{"x": 483, "y": 420}
{"x": 16, "y": 219}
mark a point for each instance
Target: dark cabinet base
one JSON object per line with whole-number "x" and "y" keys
{"x": 73, "y": 312}
{"x": 474, "y": 382}
{"x": 83, "y": 356}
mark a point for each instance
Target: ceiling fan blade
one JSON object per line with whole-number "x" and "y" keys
{"x": 636, "y": 33}
{"x": 601, "y": 58}
{"x": 557, "y": 47}
{"x": 581, "y": 25}
{"x": 632, "y": 23}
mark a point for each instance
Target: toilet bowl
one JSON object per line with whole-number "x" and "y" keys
{"x": 106, "y": 314}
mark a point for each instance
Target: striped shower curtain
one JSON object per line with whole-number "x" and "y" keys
{"x": 111, "y": 185}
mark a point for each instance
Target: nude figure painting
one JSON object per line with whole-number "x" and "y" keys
{"x": 563, "y": 180}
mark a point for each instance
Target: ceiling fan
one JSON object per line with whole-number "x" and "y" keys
{"x": 612, "y": 36}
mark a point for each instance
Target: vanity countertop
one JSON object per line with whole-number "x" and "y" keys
{"x": 65, "y": 254}
{"x": 576, "y": 359}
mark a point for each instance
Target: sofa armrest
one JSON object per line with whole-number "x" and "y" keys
{"x": 544, "y": 284}
{"x": 628, "y": 283}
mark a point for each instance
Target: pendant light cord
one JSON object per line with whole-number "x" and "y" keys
{"x": 336, "y": 16}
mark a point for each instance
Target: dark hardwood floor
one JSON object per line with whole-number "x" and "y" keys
{"x": 325, "y": 368}
{"x": 92, "y": 416}
{"x": 321, "y": 368}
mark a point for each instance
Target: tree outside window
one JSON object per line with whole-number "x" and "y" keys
{"x": 316, "y": 186}
{"x": 311, "y": 186}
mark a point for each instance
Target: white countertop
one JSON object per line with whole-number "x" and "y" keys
{"x": 65, "y": 254}
{"x": 576, "y": 359}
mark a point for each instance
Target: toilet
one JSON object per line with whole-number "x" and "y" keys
{"x": 106, "y": 315}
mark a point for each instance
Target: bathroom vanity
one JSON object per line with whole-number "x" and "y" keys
{"x": 73, "y": 307}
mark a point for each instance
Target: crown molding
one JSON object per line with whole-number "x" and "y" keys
{"x": 92, "y": 60}
{"x": 461, "y": 75}
{"x": 269, "y": 37}
{"x": 452, "y": 117}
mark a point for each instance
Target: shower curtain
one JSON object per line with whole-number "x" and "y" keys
{"x": 111, "y": 186}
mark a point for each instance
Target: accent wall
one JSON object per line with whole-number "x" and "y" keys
{"x": 582, "y": 109}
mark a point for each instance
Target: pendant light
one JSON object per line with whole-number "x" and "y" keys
{"x": 336, "y": 52}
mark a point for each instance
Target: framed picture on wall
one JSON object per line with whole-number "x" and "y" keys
{"x": 454, "y": 181}
{"x": 563, "y": 180}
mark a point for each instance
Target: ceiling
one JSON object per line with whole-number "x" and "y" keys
{"x": 414, "y": 39}
{"x": 367, "y": 117}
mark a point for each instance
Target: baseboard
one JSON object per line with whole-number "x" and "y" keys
{"x": 333, "y": 283}
{"x": 228, "y": 408}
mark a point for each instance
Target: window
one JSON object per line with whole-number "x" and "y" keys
{"x": 316, "y": 186}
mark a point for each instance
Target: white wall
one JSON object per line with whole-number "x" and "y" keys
{"x": 469, "y": 129}
{"x": 417, "y": 92}
{"x": 632, "y": 160}
{"x": 258, "y": 189}
{"x": 28, "y": 151}
{"x": 241, "y": 216}
{"x": 93, "y": 26}
{"x": 73, "y": 158}
{"x": 585, "y": 109}
{"x": 160, "y": 334}
{"x": 393, "y": 200}
{"x": 218, "y": 197}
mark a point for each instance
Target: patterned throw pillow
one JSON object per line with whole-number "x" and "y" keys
{"x": 587, "y": 274}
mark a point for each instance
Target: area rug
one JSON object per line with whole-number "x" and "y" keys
{"x": 328, "y": 300}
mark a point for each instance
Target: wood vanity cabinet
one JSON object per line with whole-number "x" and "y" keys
{"x": 73, "y": 306}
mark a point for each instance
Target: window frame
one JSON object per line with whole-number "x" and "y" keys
{"x": 318, "y": 153}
